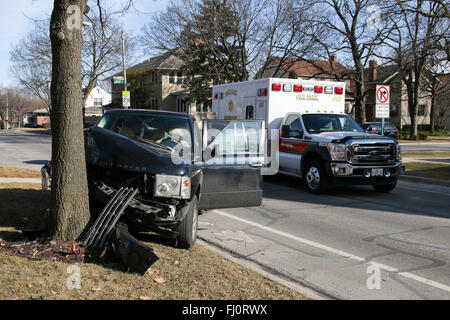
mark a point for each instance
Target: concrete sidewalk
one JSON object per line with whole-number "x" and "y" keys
{"x": 20, "y": 180}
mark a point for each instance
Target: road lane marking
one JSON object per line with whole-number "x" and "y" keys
{"x": 338, "y": 252}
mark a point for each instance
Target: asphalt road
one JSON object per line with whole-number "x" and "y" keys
{"x": 25, "y": 149}
{"x": 335, "y": 243}
{"x": 331, "y": 242}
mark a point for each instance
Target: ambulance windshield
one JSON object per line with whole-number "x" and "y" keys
{"x": 318, "y": 123}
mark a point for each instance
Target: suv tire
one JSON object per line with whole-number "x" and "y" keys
{"x": 188, "y": 227}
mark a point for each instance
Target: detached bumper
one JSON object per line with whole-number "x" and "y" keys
{"x": 345, "y": 173}
{"x": 133, "y": 253}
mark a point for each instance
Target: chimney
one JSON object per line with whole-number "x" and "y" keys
{"x": 373, "y": 70}
{"x": 333, "y": 58}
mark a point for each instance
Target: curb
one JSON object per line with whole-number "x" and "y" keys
{"x": 425, "y": 180}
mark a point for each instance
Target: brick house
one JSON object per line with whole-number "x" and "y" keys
{"x": 157, "y": 83}
{"x": 399, "y": 115}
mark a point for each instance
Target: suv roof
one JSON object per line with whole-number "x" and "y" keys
{"x": 144, "y": 112}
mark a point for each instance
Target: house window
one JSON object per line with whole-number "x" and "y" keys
{"x": 203, "y": 107}
{"x": 180, "y": 78}
{"x": 181, "y": 106}
{"x": 199, "y": 107}
{"x": 172, "y": 77}
{"x": 422, "y": 112}
{"x": 154, "y": 102}
{"x": 176, "y": 77}
{"x": 98, "y": 102}
{"x": 154, "y": 77}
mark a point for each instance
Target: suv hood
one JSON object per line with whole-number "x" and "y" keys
{"x": 108, "y": 149}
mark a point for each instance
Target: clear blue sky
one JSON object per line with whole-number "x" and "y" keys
{"x": 15, "y": 22}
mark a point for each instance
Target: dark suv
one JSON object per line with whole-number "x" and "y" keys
{"x": 390, "y": 130}
{"x": 176, "y": 168}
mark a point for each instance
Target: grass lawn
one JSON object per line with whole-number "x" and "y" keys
{"x": 426, "y": 155}
{"x": 428, "y": 170}
{"x": 11, "y": 172}
{"x": 179, "y": 274}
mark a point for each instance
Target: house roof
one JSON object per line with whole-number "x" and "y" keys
{"x": 170, "y": 60}
{"x": 384, "y": 73}
{"x": 311, "y": 67}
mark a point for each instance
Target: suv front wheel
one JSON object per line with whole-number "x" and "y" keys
{"x": 188, "y": 227}
{"x": 315, "y": 177}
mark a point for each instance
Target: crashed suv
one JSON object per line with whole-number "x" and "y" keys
{"x": 171, "y": 169}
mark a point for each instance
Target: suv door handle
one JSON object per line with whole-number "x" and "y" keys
{"x": 256, "y": 165}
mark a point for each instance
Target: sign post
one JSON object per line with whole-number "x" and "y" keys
{"x": 383, "y": 93}
{"x": 126, "y": 99}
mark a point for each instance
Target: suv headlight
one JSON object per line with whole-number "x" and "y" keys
{"x": 337, "y": 151}
{"x": 172, "y": 187}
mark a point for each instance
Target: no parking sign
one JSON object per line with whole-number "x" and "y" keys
{"x": 382, "y": 101}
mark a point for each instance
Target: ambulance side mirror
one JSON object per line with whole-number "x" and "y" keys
{"x": 286, "y": 131}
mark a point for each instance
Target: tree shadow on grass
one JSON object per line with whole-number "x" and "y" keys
{"x": 22, "y": 209}
{"x": 27, "y": 209}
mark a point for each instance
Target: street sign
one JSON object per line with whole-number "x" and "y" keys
{"x": 383, "y": 94}
{"x": 126, "y": 99}
{"x": 382, "y": 111}
{"x": 383, "y": 97}
{"x": 119, "y": 80}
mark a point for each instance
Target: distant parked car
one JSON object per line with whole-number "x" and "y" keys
{"x": 390, "y": 129}
{"x": 33, "y": 125}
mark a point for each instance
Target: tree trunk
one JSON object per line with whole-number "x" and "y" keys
{"x": 412, "y": 109}
{"x": 432, "y": 114}
{"x": 360, "y": 108}
{"x": 69, "y": 200}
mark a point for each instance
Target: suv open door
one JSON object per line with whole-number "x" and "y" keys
{"x": 233, "y": 156}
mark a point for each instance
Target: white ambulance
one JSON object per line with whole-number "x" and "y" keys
{"x": 318, "y": 141}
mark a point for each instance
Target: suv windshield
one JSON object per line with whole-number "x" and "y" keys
{"x": 156, "y": 131}
{"x": 318, "y": 123}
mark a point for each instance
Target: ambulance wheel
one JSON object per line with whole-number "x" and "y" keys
{"x": 315, "y": 178}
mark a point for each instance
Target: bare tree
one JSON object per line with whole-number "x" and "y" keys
{"x": 19, "y": 104}
{"x": 441, "y": 6}
{"x": 70, "y": 206}
{"x": 32, "y": 59}
{"x": 101, "y": 55}
{"x": 226, "y": 41}
{"x": 352, "y": 30}
{"x": 102, "y": 48}
{"x": 415, "y": 38}
{"x": 69, "y": 199}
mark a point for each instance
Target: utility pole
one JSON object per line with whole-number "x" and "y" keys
{"x": 125, "y": 85}
{"x": 7, "y": 109}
